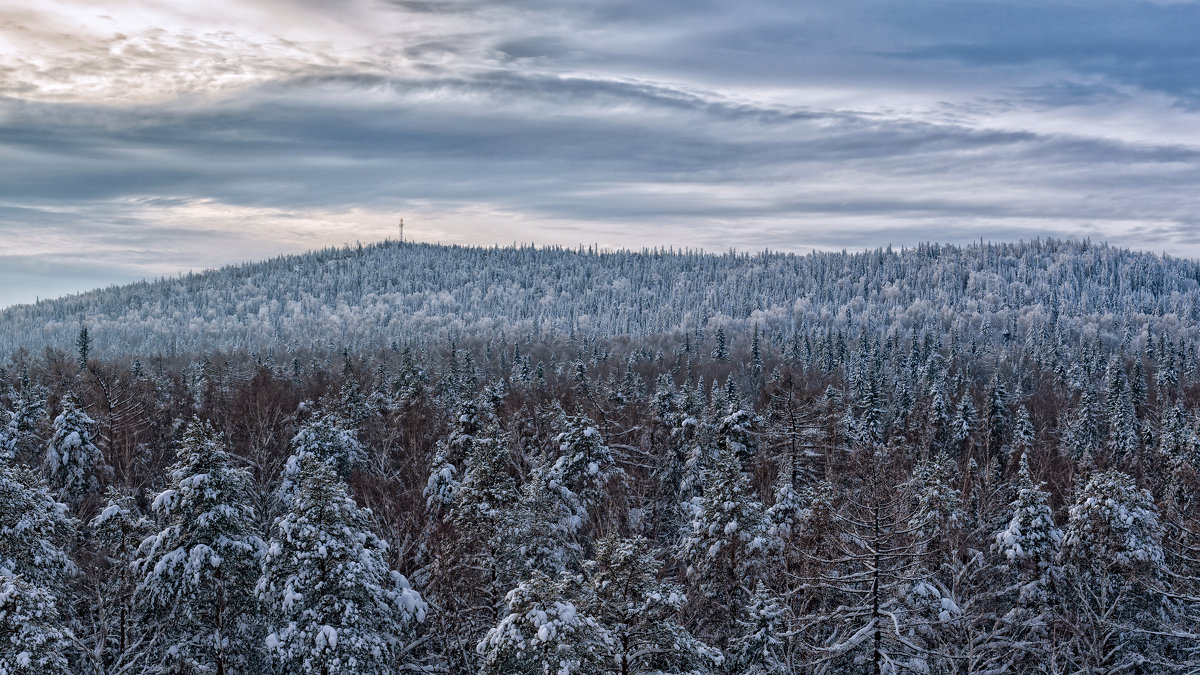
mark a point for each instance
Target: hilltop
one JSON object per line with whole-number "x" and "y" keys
{"x": 389, "y": 293}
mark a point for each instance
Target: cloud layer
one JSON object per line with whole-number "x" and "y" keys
{"x": 148, "y": 138}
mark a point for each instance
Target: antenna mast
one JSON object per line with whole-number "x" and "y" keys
{"x": 401, "y": 229}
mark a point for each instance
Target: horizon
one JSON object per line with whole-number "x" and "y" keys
{"x": 588, "y": 249}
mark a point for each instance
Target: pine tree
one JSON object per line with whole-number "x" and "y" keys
{"x": 72, "y": 460}
{"x": 326, "y": 439}
{"x": 34, "y": 639}
{"x": 640, "y": 613}
{"x": 727, "y": 530}
{"x": 333, "y": 604}
{"x": 937, "y": 512}
{"x": 545, "y": 630}
{"x": 759, "y": 648}
{"x": 1113, "y": 609}
{"x": 197, "y": 574}
{"x": 34, "y": 529}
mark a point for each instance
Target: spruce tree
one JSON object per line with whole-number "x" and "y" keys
{"x": 640, "y": 613}
{"x": 727, "y": 530}
{"x": 1113, "y": 607}
{"x": 199, "y": 570}
{"x": 545, "y": 630}
{"x": 114, "y": 641}
{"x": 34, "y": 639}
{"x": 34, "y": 530}
{"x": 760, "y": 648}
{"x": 326, "y": 438}
{"x": 72, "y": 459}
{"x": 333, "y": 604}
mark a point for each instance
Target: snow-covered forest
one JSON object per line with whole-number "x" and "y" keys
{"x": 415, "y": 458}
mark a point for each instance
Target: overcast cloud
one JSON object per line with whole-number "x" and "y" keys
{"x": 146, "y": 138}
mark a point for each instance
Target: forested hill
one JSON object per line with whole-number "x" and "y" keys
{"x": 419, "y": 293}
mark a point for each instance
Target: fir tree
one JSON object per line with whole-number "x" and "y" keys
{"x": 197, "y": 574}
{"x": 760, "y": 648}
{"x": 640, "y": 613}
{"x": 72, "y": 460}
{"x": 333, "y": 604}
{"x": 545, "y": 631}
{"x": 34, "y": 530}
{"x": 34, "y": 639}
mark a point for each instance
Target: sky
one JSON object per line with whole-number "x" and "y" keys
{"x": 140, "y": 139}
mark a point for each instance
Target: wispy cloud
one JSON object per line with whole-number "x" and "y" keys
{"x": 145, "y": 138}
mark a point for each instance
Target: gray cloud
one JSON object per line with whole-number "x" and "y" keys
{"x": 628, "y": 123}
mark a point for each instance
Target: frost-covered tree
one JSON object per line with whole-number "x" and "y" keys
{"x": 760, "y": 648}
{"x": 965, "y": 421}
{"x": 475, "y": 547}
{"x": 559, "y": 500}
{"x": 727, "y": 530}
{"x": 35, "y": 530}
{"x": 1030, "y": 542}
{"x": 19, "y": 426}
{"x": 734, "y": 430}
{"x": 640, "y": 613}
{"x": 352, "y": 403}
{"x": 866, "y": 578}
{"x": 72, "y": 459}
{"x": 1122, "y": 417}
{"x": 1024, "y": 434}
{"x": 327, "y": 439}
{"x": 720, "y": 350}
{"x": 1113, "y": 607}
{"x": 451, "y": 452}
{"x": 997, "y": 420}
{"x": 545, "y": 631}
{"x": 34, "y": 639}
{"x": 198, "y": 572}
{"x": 1027, "y": 547}
{"x": 112, "y": 636}
{"x": 332, "y": 603}
{"x": 937, "y": 511}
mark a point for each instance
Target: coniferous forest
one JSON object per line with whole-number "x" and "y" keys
{"x": 409, "y": 458}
